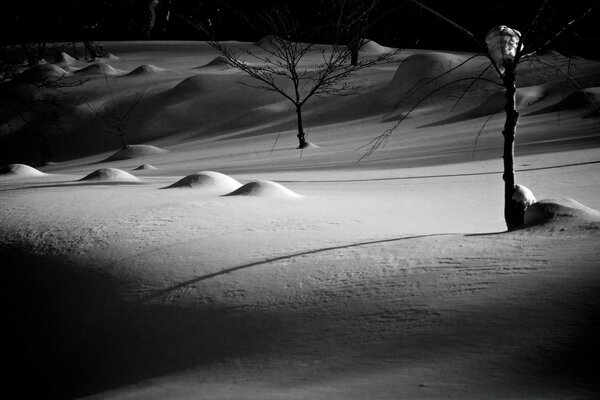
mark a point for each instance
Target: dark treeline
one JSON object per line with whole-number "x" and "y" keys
{"x": 397, "y": 23}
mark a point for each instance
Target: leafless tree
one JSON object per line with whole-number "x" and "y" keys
{"x": 536, "y": 36}
{"x": 115, "y": 113}
{"x": 28, "y": 98}
{"x": 277, "y": 66}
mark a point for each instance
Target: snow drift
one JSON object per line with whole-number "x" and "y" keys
{"x": 145, "y": 69}
{"x": 214, "y": 181}
{"x": 42, "y": 72}
{"x": 110, "y": 175}
{"x": 145, "y": 167}
{"x": 563, "y": 212}
{"x": 100, "y": 69}
{"x": 136, "y": 151}
{"x": 264, "y": 189}
{"x": 20, "y": 170}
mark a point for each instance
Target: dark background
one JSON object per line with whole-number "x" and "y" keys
{"x": 397, "y": 23}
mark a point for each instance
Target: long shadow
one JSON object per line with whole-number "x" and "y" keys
{"x": 68, "y": 332}
{"x": 181, "y": 285}
{"x": 402, "y": 178}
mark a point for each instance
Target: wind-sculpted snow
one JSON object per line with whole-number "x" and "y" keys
{"x": 562, "y": 213}
{"x": 145, "y": 167}
{"x": 20, "y": 170}
{"x": 264, "y": 189}
{"x": 100, "y": 69}
{"x": 208, "y": 180}
{"x": 109, "y": 175}
{"x": 145, "y": 69}
{"x": 136, "y": 151}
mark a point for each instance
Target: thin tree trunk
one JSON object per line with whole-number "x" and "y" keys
{"x": 122, "y": 137}
{"x": 301, "y": 135}
{"x": 512, "y": 213}
{"x": 354, "y": 56}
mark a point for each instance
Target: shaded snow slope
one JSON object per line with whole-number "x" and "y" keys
{"x": 136, "y": 151}
{"x": 561, "y": 213}
{"x": 264, "y": 189}
{"x": 145, "y": 70}
{"x": 145, "y": 167}
{"x": 99, "y": 69}
{"x": 20, "y": 170}
{"x": 109, "y": 175}
{"x": 210, "y": 180}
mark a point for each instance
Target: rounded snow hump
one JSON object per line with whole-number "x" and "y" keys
{"x": 20, "y": 170}
{"x": 209, "y": 180}
{"x": 110, "y": 175}
{"x": 264, "y": 189}
{"x": 136, "y": 151}
{"x": 561, "y": 213}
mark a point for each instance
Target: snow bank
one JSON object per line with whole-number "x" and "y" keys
{"x": 20, "y": 170}
{"x": 218, "y": 62}
{"x": 372, "y": 47}
{"x": 145, "y": 167}
{"x": 145, "y": 69}
{"x": 100, "y": 68}
{"x": 588, "y": 98}
{"x": 136, "y": 151}
{"x": 561, "y": 212}
{"x": 215, "y": 181}
{"x": 109, "y": 175}
{"x": 65, "y": 60}
{"x": 42, "y": 72}
{"x": 433, "y": 69}
{"x": 264, "y": 189}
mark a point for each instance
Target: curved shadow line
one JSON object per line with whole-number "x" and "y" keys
{"x": 400, "y": 178}
{"x": 163, "y": 292}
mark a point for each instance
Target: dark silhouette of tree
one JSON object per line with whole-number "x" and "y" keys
{"x": 115, "y": 113}
{"x": 277, "y": 68}
{"x": 550, "y": 21}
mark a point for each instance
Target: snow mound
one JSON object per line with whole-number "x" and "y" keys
{"x": 523, "y": 195}
{"x": 109, "y": 175}
{"x": 585, "y": 99}
{"x": 65, "y": 60}
{"x": 20, "y": 170}
{"x": 421, "y": 68}
{"x": 372, "y": 47}
{"x": 145, "y": 167}
{"x": 145, "y": 70}
{"x": 100, "y": 68}
{"x": 207, "y": 180}
{"x": 136, "y": 151}
{"x": 269, "y": 41}
{"x": 220, "y": 62}
{"x": 264, "y": 189}
{"x": 495, "y": 103}
{"x": 42, "y": 72}
{"x": 562, "y": 212}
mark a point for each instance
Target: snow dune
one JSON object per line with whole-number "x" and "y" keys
{"x": 110, "y": 175}
{"x": 210, "y": 180}
{"x": 21, "y": 171}
{"x": 134, "y": 151}
{"x": 264, "y": 189}
{"x": 392, "y": 277}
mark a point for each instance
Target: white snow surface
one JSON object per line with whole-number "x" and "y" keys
{"x": 392, "y": 277}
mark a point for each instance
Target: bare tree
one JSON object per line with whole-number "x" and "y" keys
{"x": 277, "y": 68}
{"x": 115, "y": 113}
{"x": 537, "y": 36}
{"x": 27, "y": 98}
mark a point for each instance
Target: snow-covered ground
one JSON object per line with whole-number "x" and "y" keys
{"x": 322, "y": 277}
